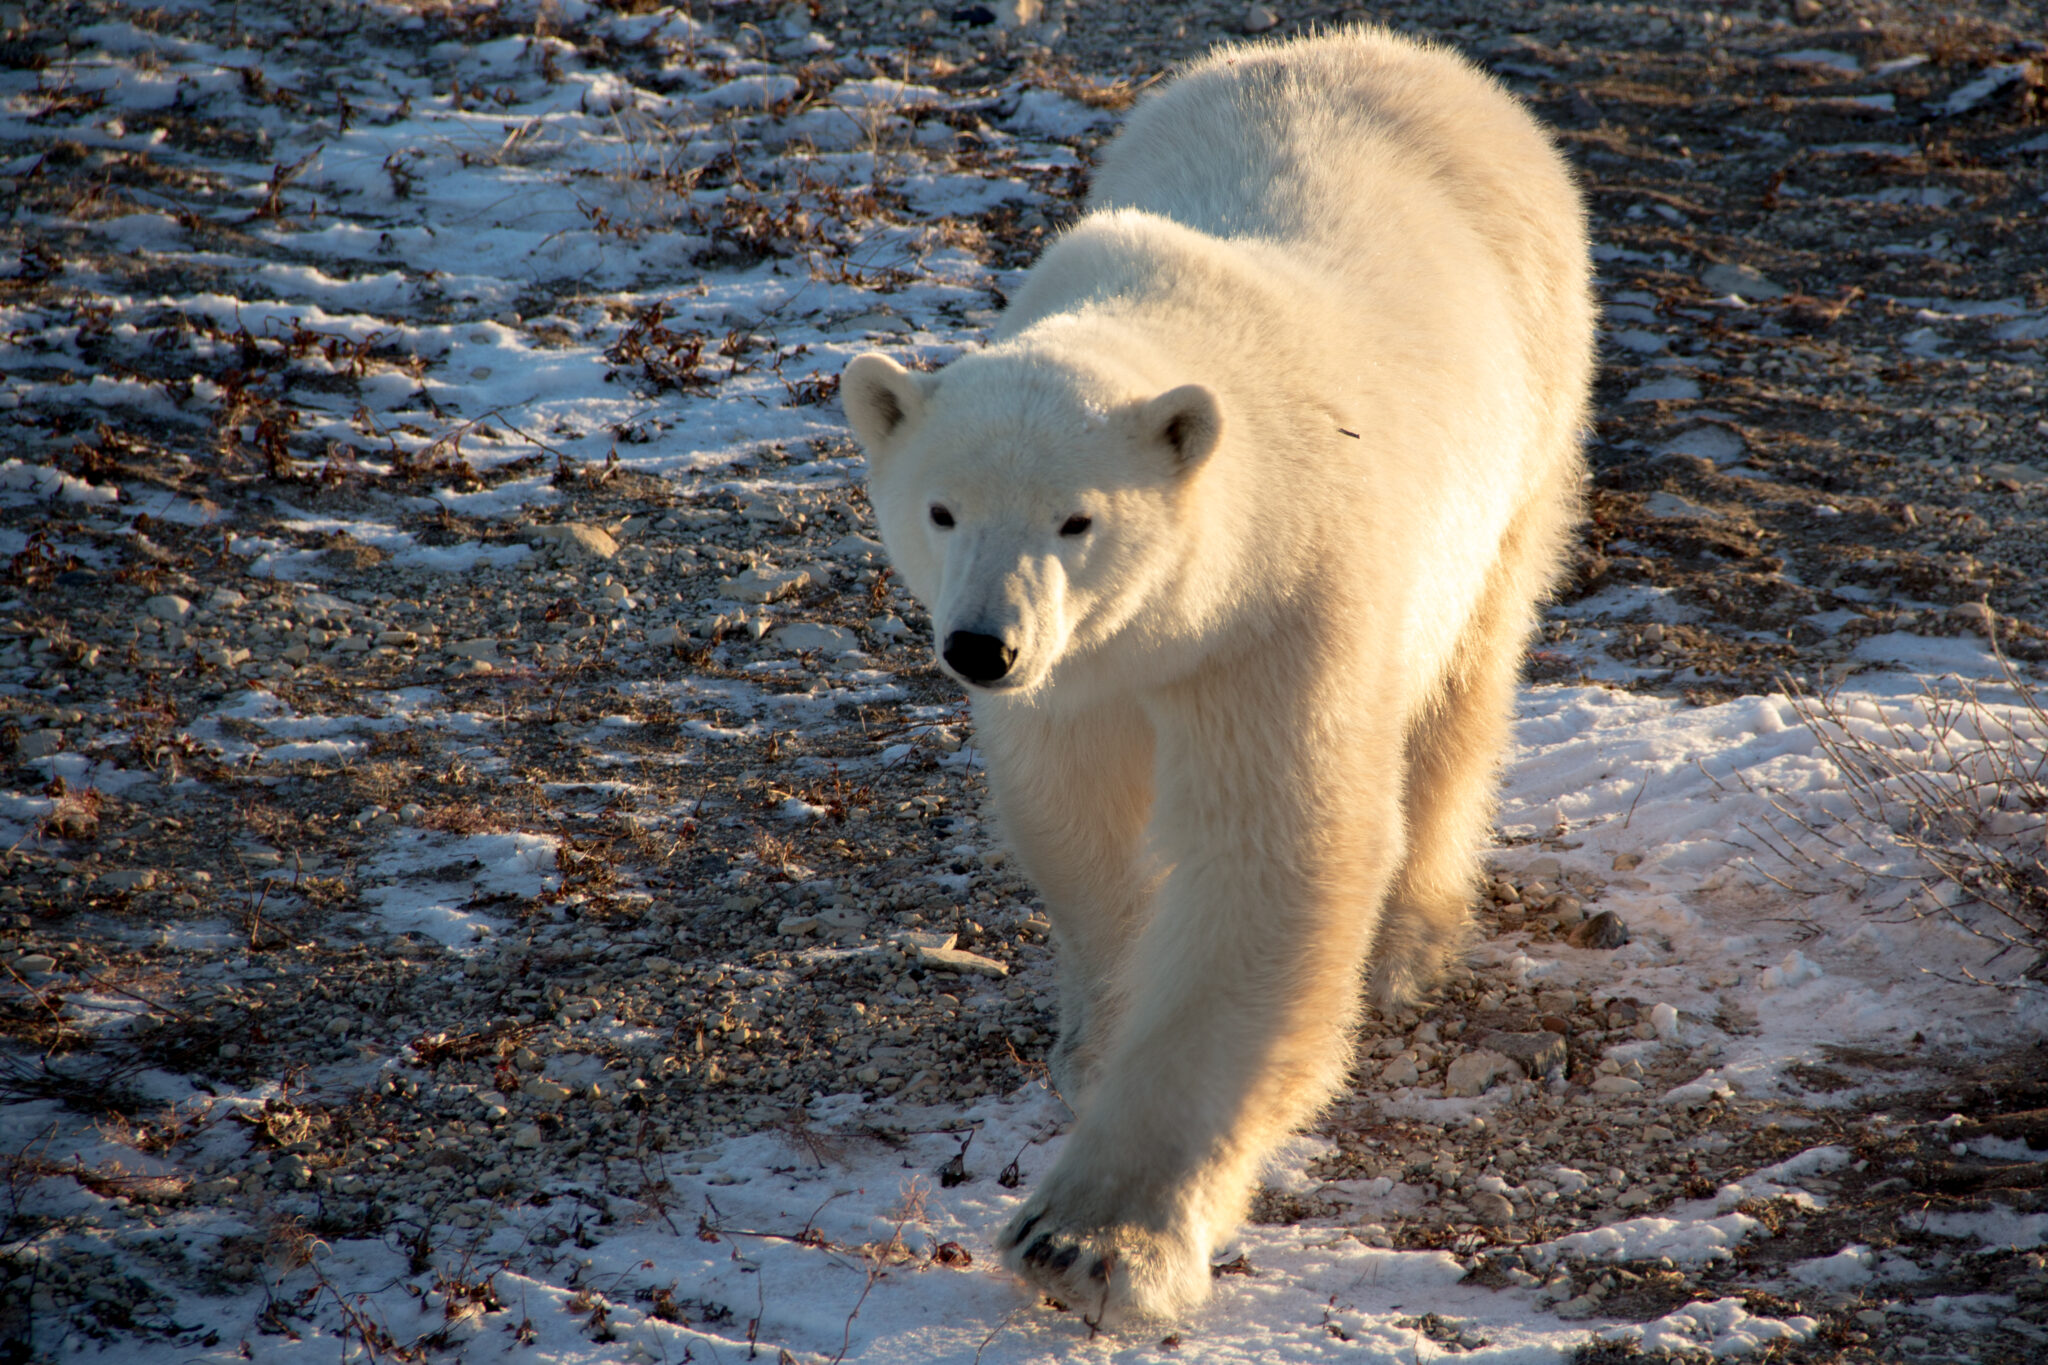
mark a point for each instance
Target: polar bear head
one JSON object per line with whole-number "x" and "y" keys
{"x": 1034, "y": 504}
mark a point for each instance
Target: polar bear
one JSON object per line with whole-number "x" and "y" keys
{"x": 1235, "y": 533}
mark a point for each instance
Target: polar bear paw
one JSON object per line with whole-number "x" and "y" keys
{"x": 1109, "y": 1271}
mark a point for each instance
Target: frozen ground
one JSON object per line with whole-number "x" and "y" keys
{"x": 491, "y": 870}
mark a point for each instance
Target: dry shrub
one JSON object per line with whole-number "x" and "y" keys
{"x": 1960, "y": 782}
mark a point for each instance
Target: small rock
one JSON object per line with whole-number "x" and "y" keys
{"x": 168, "y": 607}
{"x": 1976, "y": 616}
{"x": 1400, "y": 1072}
{"x": 960, "y": 960}
{"x": 1745, "y": 281}
{"x": 1538, "y": 1054}
{"x": 663, "y": 637}
{"x": 887, "y": 628}
{"x": 803, "y": 636}
{"x": 485, "y": 649}
{"x": 576, "y": 540}
{"x": 765, "y": 585}
{"x": 1258, "y": 19}
{"x": 1604, "y": 930}
{"x": 137, "y": 879}
{"x": 1473, "y": 1073}
{"x": 35, "y": 964}
{"x": 1492, "y": 1209}
{"x": 1616, "y": 1085}
{"x": 39, "y": 743}
{"x": 527, "y": 1136}
{"x": 547, "y": 1091}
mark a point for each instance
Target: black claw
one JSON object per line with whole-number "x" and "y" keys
{"x": 1039, "y": 1251}
{"x": 1099, "y": 1270}
{"x": 1066, "y": 1257}
{"x": 1025, "y": 1231}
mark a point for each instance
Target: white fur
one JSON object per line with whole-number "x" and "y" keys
{"x": 1315, "y": 366}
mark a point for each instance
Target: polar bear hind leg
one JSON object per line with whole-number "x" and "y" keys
{"x": 1454, "y": 750}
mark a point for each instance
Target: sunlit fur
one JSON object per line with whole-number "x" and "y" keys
{"x": 1247, "y": 749}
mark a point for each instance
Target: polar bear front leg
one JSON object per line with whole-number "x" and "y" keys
{"x": 1073, "y": 792}
{"x": 1242, "y": 990}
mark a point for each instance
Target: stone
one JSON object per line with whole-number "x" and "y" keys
{"x": 38, "y": 744}
{"x": 1603, "y": 931}
{"x": 526, "y": 1136}
{"x": 485, "y": 649}
{"x": 546, "y": 1091}
{"x": 802, "y": 637}
{"x": 132, "y": 879}
{"x": 1400, "y": 1072}
{"x": 667, "y": 637}
{"x": 1538, "y": 1054}
{"x": 1258, "y": 19}
{"x": 1716, "y": 444}
{"x": 168, "y": 607}
{"x": 576, "y": 540}
{"x": 765, "y": 585}
{"x": 1744, "y": 281}
{"x": 1616, "y": 1085}
{"x": 34, "y": 964}
{"x": 1492, "y": 1209}
{"x": 1475, "y": 1072}
{"x": 960, "y": 960}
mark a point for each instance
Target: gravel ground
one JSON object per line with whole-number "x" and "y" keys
{"x": 1821, "y": 450}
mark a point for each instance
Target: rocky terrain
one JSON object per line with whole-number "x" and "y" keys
{"x": 465, "y": 756}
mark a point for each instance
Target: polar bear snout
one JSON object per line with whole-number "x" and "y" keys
{"x": 979, "y": 658}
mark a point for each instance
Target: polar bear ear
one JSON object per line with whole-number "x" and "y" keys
{"x": 883, "y": 400}
{"x": 1185, "y": 422}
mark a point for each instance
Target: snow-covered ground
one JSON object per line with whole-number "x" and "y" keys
{"x": 406, "y": 268}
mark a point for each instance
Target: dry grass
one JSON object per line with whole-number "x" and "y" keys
{"x": 1959, "y": 782}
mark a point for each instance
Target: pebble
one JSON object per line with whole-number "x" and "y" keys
{"x": 1743, "y": 280}
{"x": 1400, "y": 1072}
{"x": 1494, "y": 1210}
{"x": 1538, "y": 1054}
{"x": 1258, "y": 19}
{"x": 39, "y": 743}
{"x": 1473, "y": 1073}
{"x": 569, "y": 540}
{"x": 526, "y": 1137}
{"x": 1616, "y": 1085}
{"x": 168, "y": 607}
{"x": 802, "y": 637}
{"x": 960, "y": 960}
{"x": 765, "y": 585}
{"x": 1604, "y": 930}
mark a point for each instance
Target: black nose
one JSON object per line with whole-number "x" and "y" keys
{"x": 978, "y": 658}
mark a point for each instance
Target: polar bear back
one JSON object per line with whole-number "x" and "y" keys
{"x": 1336, "y": 145}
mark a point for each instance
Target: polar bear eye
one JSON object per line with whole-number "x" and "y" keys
{"x": 1075, "y": 525}
{"x": 941, "y": 517}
